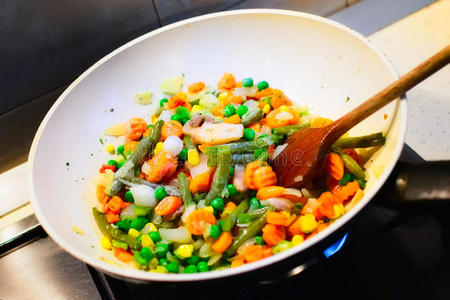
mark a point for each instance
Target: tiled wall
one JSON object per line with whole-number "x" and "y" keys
{"x": 45, "y": 45}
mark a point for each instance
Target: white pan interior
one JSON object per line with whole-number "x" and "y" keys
{"x": 316, "y": 62}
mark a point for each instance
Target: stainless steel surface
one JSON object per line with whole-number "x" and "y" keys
{"x": 18, "y": 229}
{"x": 42, "y": 270}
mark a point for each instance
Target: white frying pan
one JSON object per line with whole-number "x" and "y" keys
{"x": 317, "y": 62}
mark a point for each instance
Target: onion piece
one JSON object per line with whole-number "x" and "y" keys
{"x": 206, "y": 250}
{"x": 187, "y": 212}
{"x": 180, "y": 234}
{"x": 238, "y": 178}
{"x": 145, "y": 168}
{"x": 173, "y": 145}
{"x": 166, "y": 115}
{"x": 143, "y": 195}
{"x": 279, "y": 203}
{"x": 278, "y": 150}
{"x": 128, "y": 212}
{"x": 215, "y": 258}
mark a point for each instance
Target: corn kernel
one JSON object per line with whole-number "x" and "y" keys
{"x": 308, "y": 223}
{"x": 134, "y": 233}
{"x": 219, "y": 117}
{"x": 185, "y": 250}
{"x": 223, "y": 96}
{"x": 196, "y": 108}
{"x": 106, "y": 243}
{"x": 150, "y": 227}
{"x": 297, "y": 239}
{"x": 160, "y": 269}
{"x": 266, "y": 108}
{"x": 158, "y": 147}
{"x": 339, "y": 210}
{"x": 193, "y": 157}
{"x": 153, "y": 263}
{"x": 209, "y": 208}
{"x": 110, "y": 148}
{"x": 284, "y": 108}
{"x": 147, "y": 241}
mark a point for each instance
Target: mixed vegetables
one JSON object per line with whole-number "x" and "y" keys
{"x": 192, "y": 189}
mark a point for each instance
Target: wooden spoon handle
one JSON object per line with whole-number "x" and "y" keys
{"x": 391, "y": 92}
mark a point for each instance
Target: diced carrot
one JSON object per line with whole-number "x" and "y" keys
{"x": 264, "y": 176}
{"x": 278, "y": 99}
{"x": 112, "y": 217}
{"x": 253, "y": 253}
{"x": 235, "y": 99}
{"x": 261, "y": 94}
{"x": 168, "y": 205}
{"x": 294, "y": 228}
{"x": 101, "y": 193}
{"x": 239, "y": 84}
{"x": 197, "y": 220}
{"x": 326, "y": 201}
{"x": 162, "y": 165}
{"x": 352, "y": 153}
{"x": 249, "y": 173}
{"x": 273, "y": 234}
{"x": 238, "y": 261}
{"x": 196, "y": 87}
{"x": 131, "y": 145}
{"x": 234, "y": 119}
{"x": 104, "y": 204}
{"x": 229, "y": 207}
{"x": 135, "y": 128}
{"x": 267, "y": 251}
{"x": 334, "y": 165}
{"x": 227, "y": 82}
{"x": 125, "y": 204}
{"x": 347, "y": 191}
{"x": 320, "y": 122}
{"x": 312, "y": 207}
{"x": 107, "y": 167}
{"x": 115, "y": 204}
{"x": 223, "y": 242}
{"x": 123, "y": 255}
{"x": 171, "y": 127}
{"x": 272, "y": 191}
{"x": 200, "y": 183}
{"x": 179, "y": 99}
{"x": 255, "y": 126}
{"x": 279, "y": 218}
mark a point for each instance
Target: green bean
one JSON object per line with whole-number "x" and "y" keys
{"x": 159, "y": 111}
{"x": 199, "y": 196}
{"x": 290, "y": 129}
{"x": 247, "y": 233}
{"x": 195, "y": 102}
{"x": 259, "y": 212}
{"x": 183, "y": 186}
{"x": 113, "y": 188}
{"x": 232, "y": 217}
{"x": 252, "y": 116}
{"x": 155, "y": 134}
{"x": 350, "y": 163}
{"x": 188, "y": 142}
{"x": 374, "y": 139}
{"x": 113, "y": 232}
{"x": 220, "y": 179}
{"x": 263, "y": 156}
{"x": 247, "y": 147}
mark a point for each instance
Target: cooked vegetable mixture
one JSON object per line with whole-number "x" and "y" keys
{"x": 192, "y": 189}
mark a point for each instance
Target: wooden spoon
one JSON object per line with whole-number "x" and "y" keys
{"x": 302, "y": 158}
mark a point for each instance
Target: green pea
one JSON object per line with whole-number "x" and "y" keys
{"x": 162, "y": 101}
{"x": 345, "y": 179}
{"x": 249, "y": 134}
{"x": 173, "y": 267}
{"x": 254, "y": 204}
{"x": 242, "y": 110}
{"x": 124, "y": 224}
{"x": 146, "y": 253}
{"x": 120, "y": 149}
{"x": 141, "y": 260}
{"x": 112, "y": 162}
{"x": 259, "y": 240}
{"x": 221, "y": 224}
{"x": 129, "y": 196}
{"x": 218, "y": 204}
{"x": 190, "y": 269}
{"x": 231, "y": 171}
{"x": 263, "y": 85}
{"x": 215, "y": 231}
{"x": 139, "y": 223}
{"x": 232, "y": 189}
{"x": 163, "y": 262}
{"x": 155, "y": 236}
{"x": 247, "y": 82}
{"x": 183, "y": 154}
{"x": 121, "y": 163}
{"x": 229, "y": 110}
{"x": 177, "y": 117}
{"x": 161, "y": 250}
{"x": 203, "y": 266}
{"x": 160, "y": 193}
{"x": 193, "y": 260}
{"x": 149, "y": 126}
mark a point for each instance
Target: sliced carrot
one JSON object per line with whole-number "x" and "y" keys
{"x": 334, "y": 166}
{"x": 272, "y": 191}
{"x": 131, "y": 145}
{"x": 223, "y": 242}
{"x": 273, "y": 234}
{"x": 249, "y": 173}
{"x": 196, "y": 87}
{"x": 294, "y": 228}
{"x": 277, "y": 117}
{"x": 162, "y": 165}
{"x": 253, "y": 253}
{"x": 320, "y": 122}
{"x": 171, "y": 127}
{"x": 255, "y": 126}
{"x": 112, "y": 217}
{"x": 237, "y": 261}
{"x": 234, "y": 119}
{"x": 115, "y": 204}
{"x": 197, "y": 220}
{"x": 264, "y": 176}
{"x": 279, "y": 218}
{"x": 135, "y": 128}
{"x": 278, "y": 99}
{"x": 179, "y": 99}
{"x": 227, "y": 82}
{"x": 200, "y": 183}
{"x": 347, "y": 191}
{"x": 168, "y": 205}
{"x": 327, "y": 200}
{"x": 123, "y": 255}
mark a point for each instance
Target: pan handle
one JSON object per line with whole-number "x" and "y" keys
{"x": 422, "y": 183}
